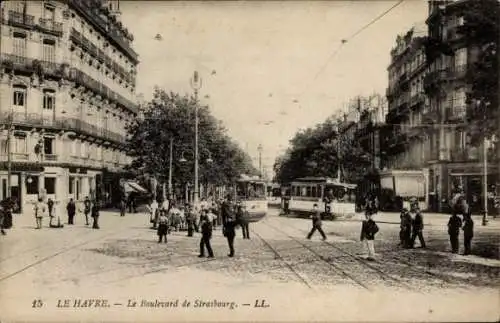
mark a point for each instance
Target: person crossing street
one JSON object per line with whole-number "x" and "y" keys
{"x": 206, "y": 235}
{"x": 229, "y": 223}
{"x": 316, "y": 223}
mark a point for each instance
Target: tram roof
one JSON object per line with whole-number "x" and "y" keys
{"x": 326, "y": 180}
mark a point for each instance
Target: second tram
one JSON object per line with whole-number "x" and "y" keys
{"x": 334, "y": 198}
{"x": 252, "y": 195}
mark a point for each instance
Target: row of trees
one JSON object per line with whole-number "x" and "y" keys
{"x": 172, "y": 116}
{"x": 322, "y": 151}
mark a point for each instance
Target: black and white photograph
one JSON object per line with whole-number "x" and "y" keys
{"x": 236, "y": 161}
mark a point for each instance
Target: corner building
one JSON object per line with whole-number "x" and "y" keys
{"x": 67, "y": 91}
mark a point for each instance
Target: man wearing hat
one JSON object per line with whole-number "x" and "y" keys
{"x": 417, "y": 223}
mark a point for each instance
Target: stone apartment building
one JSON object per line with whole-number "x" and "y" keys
{"x": 454, "y": 159}
{"x": 67, "y": 90}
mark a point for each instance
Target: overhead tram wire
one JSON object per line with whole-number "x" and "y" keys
{"x": 346, "y": 40}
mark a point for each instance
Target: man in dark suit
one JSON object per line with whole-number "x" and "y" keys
{"x": 229, "y": 222}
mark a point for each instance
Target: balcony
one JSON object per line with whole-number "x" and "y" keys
{"x": 417, "y": 99}
{"x": 50, "y": 26}
{"x": 465, "y": 154}
{"x": 456, "y": 114}
{"x": 18, "y": 19}
{"x": 19, "y": 156}
{"x": 68, "y": 124}
{"x": 50, "y": 157}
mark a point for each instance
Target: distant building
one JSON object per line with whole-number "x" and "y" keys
{"x": 68, "y": 75}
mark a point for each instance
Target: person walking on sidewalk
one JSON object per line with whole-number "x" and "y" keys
{"x": 417, "y": 225}
{"x": 86, "y": 209}
{"x": 123, "y": 207}
{"x": 50, "y": 206}
{"x": 454, "y": 225}
{"x": 368, "y": 231}
{"x": 206, "y": 235}
{"x": 405, "y": 232}
{"x": 95, "y": 215}
{"x": 316, "y": 223}
{"x": 468, "y": 229}
{"x": 40, "y": 211}
{"x": 71, "y": 208}
{"x": 242, "y": 220}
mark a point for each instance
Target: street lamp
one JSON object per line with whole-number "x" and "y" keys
{"x": 485, "y": 167}
{"x": 196, "y": 84}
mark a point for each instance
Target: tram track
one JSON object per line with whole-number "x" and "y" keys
{"x": 278, "y": 256}
{"x": 381, "y": 272}
{"x": 383, "y": 275}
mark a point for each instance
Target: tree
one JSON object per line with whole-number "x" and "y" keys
{"x": 170, "y": 115}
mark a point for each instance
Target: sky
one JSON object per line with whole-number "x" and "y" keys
{"x": 269, "y": 68}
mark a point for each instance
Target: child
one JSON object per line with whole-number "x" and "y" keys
{"x": 316, "y": 222}
{"x": 468, "y": 233}
{"x": 162, "y": 226}
{"x": 206, "y": 235}
{"x": 368, "y": 231}
{"x": 454, "y": 225}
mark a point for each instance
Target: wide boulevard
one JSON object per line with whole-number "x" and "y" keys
{"x": 277, "y": 274}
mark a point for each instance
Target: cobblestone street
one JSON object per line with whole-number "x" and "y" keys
{"x": 123, "y": 260}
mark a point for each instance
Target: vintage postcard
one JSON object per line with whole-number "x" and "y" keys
{"x": 165, "y": 161}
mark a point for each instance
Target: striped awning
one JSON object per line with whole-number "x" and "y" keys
{"x": 131, "y": 186}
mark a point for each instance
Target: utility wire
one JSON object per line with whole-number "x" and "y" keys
{"x": 345, "y": 40}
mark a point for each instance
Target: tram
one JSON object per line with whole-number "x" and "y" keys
{"x": 273, "y": 194}
{"x": 251, "y": 192}
{"x": 334, "y": 198}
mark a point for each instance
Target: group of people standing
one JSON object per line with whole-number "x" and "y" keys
{"x": 204, "y": 218}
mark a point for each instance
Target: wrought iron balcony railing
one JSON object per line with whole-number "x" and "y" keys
{"x": 51, "y": 26}
{"x": 68, "y": 124}
{"x": 457, "y": 113}
{"x": 20, "y": 19}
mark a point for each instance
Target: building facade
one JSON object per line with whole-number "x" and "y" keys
{"x": 407, "y": 141}
{"x": 455, "y": 160}
{"x": 67, "y": 91}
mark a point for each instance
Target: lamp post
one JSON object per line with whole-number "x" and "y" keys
{"x": 196, "y": 83}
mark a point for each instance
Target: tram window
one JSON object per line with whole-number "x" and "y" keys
{"x": 308, "y": 191}
{"x": 303, "y": 191}
{"x": 313, "y": 192}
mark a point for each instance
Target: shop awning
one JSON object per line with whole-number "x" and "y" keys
{"x": 134, "y": 187}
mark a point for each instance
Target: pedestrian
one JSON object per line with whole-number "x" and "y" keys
{"x": 9, "y": 205}
{"x": 123, "y": 206}
{"x": 2, "y": 219}
{"x": 86, "y": 209}
{"x": 153, "y": 208}
{"x": 368, "y": 231}
{"x": 468, "y": 233}
{"x": 50, "y": 206}
{"x": 189, "y": 220}
{"x": 206, "y": 235}
{"x": 316, "y": 223}
{"x": 162, "y": 226}
{"x": 371, "y": 204}
{"x": 40, "y": 210}
{"x": 417, "y": 225}
{"x": 71, "y": 208}
{"x": 454, "y": 225}
{"x": 242, "y": 220}
{"x": 405, "y": 232}
{"x": 95, "y": 215}
{"x": 229, "y": 223}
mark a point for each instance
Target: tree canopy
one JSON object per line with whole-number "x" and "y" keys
{"x": 170, "y": 115}
{"x": 320, "y": 151}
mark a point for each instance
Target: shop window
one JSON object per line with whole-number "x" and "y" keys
{"x": 50, "y": 185}
{"x": 32, "y": 185}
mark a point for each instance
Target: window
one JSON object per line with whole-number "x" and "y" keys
{"x": 20, "y": 145}
{"x": 49, "y": 12}
{"x": 31, "y": 184}
{"x": 48, "y": 148}
{"x": 71, "y": 184}
{"x": 49, "y": 100}
{"x": 50, "y": 185}
{"x": 19, "y": 97}
{"x": 83, "y": 150}
{"x": 49, "y": 50}
{"x": 19, "y": 44}
{"x": 19, "y": 6}
{"x": 461, "y": 57}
